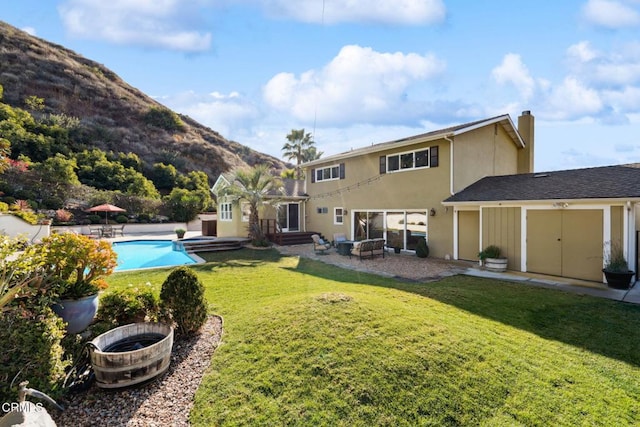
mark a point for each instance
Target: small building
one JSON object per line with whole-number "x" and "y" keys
{"x": 559, "y": 223}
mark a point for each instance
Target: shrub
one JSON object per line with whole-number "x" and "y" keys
{"x": 491, "y": 251}
{"x": 614, "y": 259}
{"x": 31, "y": 351}
{"x": 164, "y": 119}
{"x": 63, "y": 215}
{"x": 122, "y": 219}
{"x": 144, "y": 218}
{"x": 182, "y": 296}
{"x": 95, "y": 219}
{"x": 128, "y": 306}
{"x": 422, "y": 250}
{"x": 73, "y": 266}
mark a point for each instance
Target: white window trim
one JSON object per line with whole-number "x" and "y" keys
{"x": 427, "y": 149}
{"x": 225, "y": 211}
{"x": 330, "y": 168}
{"x": 335, "y": 216}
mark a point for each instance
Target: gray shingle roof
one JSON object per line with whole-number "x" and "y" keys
{"x": 293, "y": 188}
{"x": 608, "y": 182}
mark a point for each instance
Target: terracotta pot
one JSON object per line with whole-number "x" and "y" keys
{"x": 78, "y": 313}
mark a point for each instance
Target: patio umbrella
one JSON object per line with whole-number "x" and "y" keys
{"x": 106, "y": 208}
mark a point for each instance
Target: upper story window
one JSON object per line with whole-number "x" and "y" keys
{"x": 423, "y": 158}
{"x": 224, "y": 212}
{"x": 328, "y": 173}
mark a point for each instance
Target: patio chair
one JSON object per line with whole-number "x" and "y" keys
{"x": 95, "y": 231}
{"x": 118, "y": 229}
{"x": 319, "y": 245}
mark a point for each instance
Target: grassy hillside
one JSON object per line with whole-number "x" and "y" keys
{"x": 113, "y": 115}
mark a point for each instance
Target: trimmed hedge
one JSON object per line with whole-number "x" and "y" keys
{"x": 182, "y": 296}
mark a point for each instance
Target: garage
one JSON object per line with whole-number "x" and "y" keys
{"x": 565, "y": 243}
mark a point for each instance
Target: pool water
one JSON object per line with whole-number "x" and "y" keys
{"x": 148, "y": 253}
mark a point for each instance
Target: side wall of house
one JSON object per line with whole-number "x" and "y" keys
{"x": 483, "y": 152}
{"x": 365, "y": 188}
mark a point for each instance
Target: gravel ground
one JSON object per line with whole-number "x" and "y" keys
{"x": 166, "y": 401}
{"x": 404, "y": 266}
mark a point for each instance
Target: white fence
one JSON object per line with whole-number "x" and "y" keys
{"x": 13, "y": 226}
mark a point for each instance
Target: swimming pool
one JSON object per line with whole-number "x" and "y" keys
{"x": 136, "y": 254}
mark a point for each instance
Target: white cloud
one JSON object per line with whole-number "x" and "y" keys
{"x": 359, "y": 84}
{"x": 581, "y": 52}
{"x": 571, "y": 100}
{"x": 611, "y": 14}
{"x": 156, "y": 23}
{"x": 410, "y": 12}
{"x": 615, "y": 68}
{"x": 223, "y": 113}
{"x": 513, "y": 71}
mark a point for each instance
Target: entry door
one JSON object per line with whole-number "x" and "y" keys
{"x": 289, "y": 217}
{"x": 294, "y": 217}
{"x": 565, "y": 243}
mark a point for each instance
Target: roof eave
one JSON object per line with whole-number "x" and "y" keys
{"x": 582, "y": 201}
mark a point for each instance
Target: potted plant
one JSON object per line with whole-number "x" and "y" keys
{"x": 616, "y": 269}
{"x": 492, "y": 259}
{"x": 180, "y": 232}
{"x": 73, "y": 268}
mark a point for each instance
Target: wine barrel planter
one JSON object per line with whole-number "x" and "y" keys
{"x": 496, "y": 264}
{"x": 115, "y": 368}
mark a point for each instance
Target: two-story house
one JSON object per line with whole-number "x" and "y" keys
{"x": 395, "y": 189}
{"x": 463, "y": 188}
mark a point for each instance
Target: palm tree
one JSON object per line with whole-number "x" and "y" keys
{"x": 299, "y": 147}
{"x": 257, "y": 187}
{"x": 311, "y": 153}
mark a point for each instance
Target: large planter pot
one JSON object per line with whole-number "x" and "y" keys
{"x": 131, "y": 354}
{"x": 496, "y": 264}
{"x": 618, "y": 280}
{"x": 78, "y": 313}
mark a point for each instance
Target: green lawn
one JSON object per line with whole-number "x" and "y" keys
{"x": 311, "y": 344}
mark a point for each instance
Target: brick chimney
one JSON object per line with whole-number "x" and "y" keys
{"x": 526, "y": 131}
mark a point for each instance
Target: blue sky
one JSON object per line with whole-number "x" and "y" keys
{"x": 357, "y": 72}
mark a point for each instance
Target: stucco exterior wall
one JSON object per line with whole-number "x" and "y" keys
{"x": 484, "y": 152}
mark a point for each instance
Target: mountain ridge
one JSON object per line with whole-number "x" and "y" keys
{"x": 113, "y": 115}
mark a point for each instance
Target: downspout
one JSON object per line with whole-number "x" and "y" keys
{"x": 450, "y": 164}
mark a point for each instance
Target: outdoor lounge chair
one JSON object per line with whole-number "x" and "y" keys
{"x": 319, "y": 245}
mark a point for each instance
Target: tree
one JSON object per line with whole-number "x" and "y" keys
{"x": 299, "y": 144}
{"x": 311, "y": 153}
{"x": 257, "y": 187}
